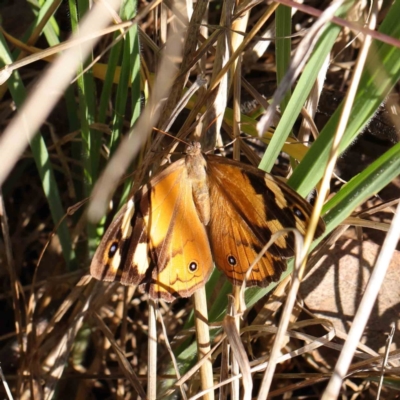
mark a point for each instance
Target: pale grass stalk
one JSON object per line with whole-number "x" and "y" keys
{"x": 190, "y": 32}
{"x": 312, "y": 102}
{"x": 236, "y": 109}
{"x": 133, "y": 142}
{"x": 240, "y": 361}
{"x": 173, "y": 358}
{"x": 366, "y": 223}
{"x": 218, "y": 100}
{"x": 239, "y": 357}
{"x": 236, "y": 70}
{"x": 57, "y": 358}
{"x": 163, "y": 24}
{"x": 365, "y": 308}
{"x": 356, "y": 27}
{"x": 5, "y": 384}
{"x": 203, "y": 341}
{"x": 284, "y": 323}
{"x": 238, "y": 25}
{"x": 224, "y": 369}
{"x": 385, "y": 360}
{"x": 152, "y": 353}
{"x": 234, "y": 307}
{"x": 248, "y": 38}
{"x": 192, "y": 371}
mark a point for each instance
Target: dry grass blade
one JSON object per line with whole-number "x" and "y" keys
{"x": 243, "y": 45}
{"x": 217, "y": 102}
{"x": 355, "y": 26}
{"x": 290, "y": 301}
{"x": 239, "y": 353}
{"x": 187, "y": 54}
{"x": 123, "y": 362}
{"x": 203, "y": 341}
{"x": 194, "y": 369}
{"x": 261, "y": 364}
{"x": 224, "y": 370}
{"x": 64, "y": 307}
{"x": 152, "y": 353}
{"x": 5, "y": 384}
{"x": 56, "y": 359}
{"x": 173, "y": 358}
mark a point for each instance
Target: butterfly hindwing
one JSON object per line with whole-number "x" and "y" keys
{"x": 248, "y": 206}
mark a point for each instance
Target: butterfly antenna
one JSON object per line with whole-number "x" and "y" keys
{"x": 171, "y": 136}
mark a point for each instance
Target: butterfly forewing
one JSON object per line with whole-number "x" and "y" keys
{"x": 157, "y": 239}
{"x": 178, "y": 240}
{"x": 122, "y": 254}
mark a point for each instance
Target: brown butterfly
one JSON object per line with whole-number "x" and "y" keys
{"x": 199, "y": 209}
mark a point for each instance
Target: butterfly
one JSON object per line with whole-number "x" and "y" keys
{"x": 201, "y": 209}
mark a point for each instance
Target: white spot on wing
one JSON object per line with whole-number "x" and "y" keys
{"x": 126, "y": 226}
{"x": 115, "y": 262}
{"x": 140, "y": 258}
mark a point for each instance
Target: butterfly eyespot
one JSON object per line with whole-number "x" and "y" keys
{"x": 299, "y": 213}
{"x": 232, "y": 260}
{"x": 113, "y": 249}
{"x": 193, "y": 266}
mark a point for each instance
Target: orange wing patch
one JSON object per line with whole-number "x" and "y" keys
{"x": 178, "y": 243}
{"x": 245, "y": 214}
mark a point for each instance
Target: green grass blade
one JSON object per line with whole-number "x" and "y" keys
{"x": 374, "y": 87}
{"x": 43, "y": 163}
{"x": 283, "y": 29}
{"x": 300, "y": 94}
{"x": 367, "y": 183}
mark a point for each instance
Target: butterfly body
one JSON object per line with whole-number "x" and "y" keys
{"x": 199, "y": 209}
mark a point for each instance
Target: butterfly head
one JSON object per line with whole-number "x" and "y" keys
{"x": 193, "y": 149}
